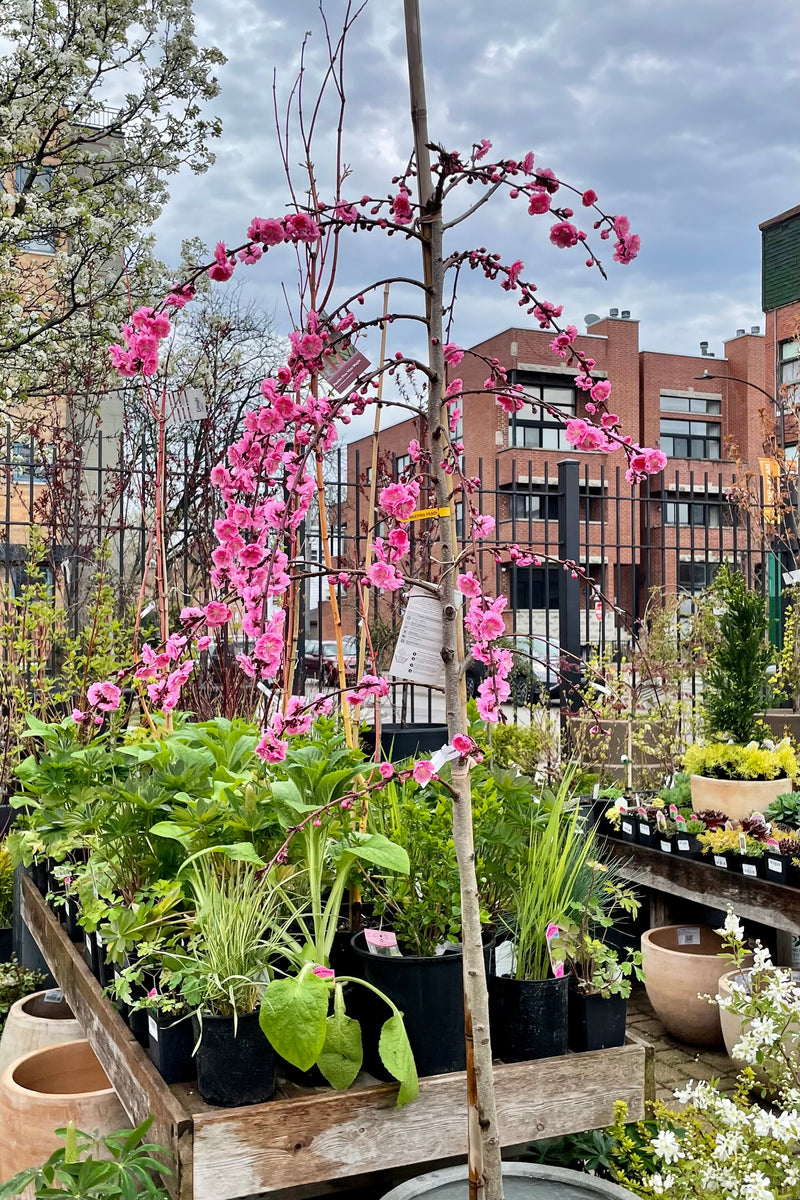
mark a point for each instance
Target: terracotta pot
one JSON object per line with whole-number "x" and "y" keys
{"x": 680, "y": 961}
{"x": 35, "y": 1022}
{"x": 738, "y": 798}
{"x": 40, "y": 1092}
{"x": 734, "y": 1026}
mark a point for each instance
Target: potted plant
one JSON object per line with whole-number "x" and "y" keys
{"x": 733, "y": 850}
{"x": 782, "y": 859}
{"x": 739, "y": 779}
{"x": 785, "y": 811}
{"x": 599, "y": 978}
{"x": 687, "y": 836}
{"x": 528, "y": 1003}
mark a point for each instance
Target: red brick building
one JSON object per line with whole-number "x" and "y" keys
{"x": 705, "y": 412}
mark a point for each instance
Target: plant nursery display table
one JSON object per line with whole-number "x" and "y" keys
{"x": 311, "y": 1135}
{"x": 672, "y": 875}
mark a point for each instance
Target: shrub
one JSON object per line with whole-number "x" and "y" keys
{"x": 517, "y": 746}
{"x": 16, "y": 982}
{"x": 785, "y": 810}
{"x": 6, "y": 888}
{"x": 727, "y": 760}
{"x": 735, "y": 676}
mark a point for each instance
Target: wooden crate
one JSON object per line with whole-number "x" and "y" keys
{"x": 306, "y": 1136}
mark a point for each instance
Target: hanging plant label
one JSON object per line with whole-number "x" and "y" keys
{"x": 775, "y": 864}
{"x": 418, "y": 653}
{"x": 382, "y": 942}
{"x": 552, "y": 934}
{"x": 665, "y": 846}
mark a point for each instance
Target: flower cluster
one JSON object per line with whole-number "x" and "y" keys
{"x": 143, "y": 337}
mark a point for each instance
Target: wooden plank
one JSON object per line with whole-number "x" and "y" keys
{"x": 140, "y": 1088}
{"x": 759, "y": 900}
{"x": 326, "y": 1136}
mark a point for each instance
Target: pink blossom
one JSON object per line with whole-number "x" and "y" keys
{"x": 491, "y": 626}
{"x": 78, "y": 715}
{"x": 106, "y": 696}
{"x": 203, "y": 642}
{"x": 468, "y": 585}
{"x": 217, "y": 613}
{"x": 562, "y": 341}
{"x": 563, "y": 234}
{"x": 399, "y": 499}
{"x": 547, "y": 179}
{"x": 367, "y": 686}
{"x": 627, "y": 248}
{"x": 252, "y": 555}
{"x": 398, "y": 540}
{"x": 248, "y": 666}
{"x": 191, "y": 614}
{"x": 462, "y": 744}
{"x": 423, "y": 772}
{"x": 584, "y": 436}
{"x": 266, "y": 230}
{"x": 386, "y": 770}
{"x": 223, "y": 267}
{"x": 384, "y": 576}
{"x": 346, "y": 213}
{"x": 483, "y": 149}
{"x": 482, "y": 525}
{"x": 601, "y": 391}
{"x": 401, "y": 208}
{"x": 589, "y": 198}
{"x": 414, "y": 450}
{"x": 608, "y": 420}
{"x": 539, "y": 202}
{"x": 655, "y": 461}
{"x": 302, "y": 228}
{"x": 270, "y": 748}
{"x": 453, "y": 354}
{"x": 179, "y": 296}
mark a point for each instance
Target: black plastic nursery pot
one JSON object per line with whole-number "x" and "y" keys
{"x": 6, "y": 944}
{"x": 665, "y": 844}
{"x": 138, "y": 1025}
{"x": 646, "y": 834}
{"x": 74, "y": 931}
{"x": 90, "y": 953}
{"x": 751, "y": 868}
{"x": 406, "y": 741}
{"x": 776, "y": 867}
{"x": 40, "y": 872}
{"x": 629, "y": 827}
{"x": 234, "y": 1065}
{"x": 170, "y": 1047}
{"x": 687, "y": 845}
{"x": 528, "y": 1017}
{"x": 595, "y": 1022}
{"x": 430, "y": 994}
{"x": 793, "y": 874}
{"x": 593, "y": 811}
{"x": 725, "y": 862}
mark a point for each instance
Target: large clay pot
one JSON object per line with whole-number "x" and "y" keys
{"x": 681, "y": 962}
{"x": 40, "y": 1092}
{"x": 35, "y": 1022}
{"x": 738, "y": 798}
{"x": 521, "y": 1181}
{"x": 733, "y": 1026}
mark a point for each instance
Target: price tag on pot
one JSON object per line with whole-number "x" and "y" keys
{"x": 749, "y": 869}
{"x": 720, "y": 860}
{"x": 53, "y": 996}
{"x": 552, "y": 934}
{"x": 689, "y": 936}
{"x": 775, "y": 864}
{"x": 152, "y": 1028}
{"x": 627, "y": 827}
{"x": 665, "y": 846}
{"x": 382, "y": 942}
{"x": 683, "y": 844}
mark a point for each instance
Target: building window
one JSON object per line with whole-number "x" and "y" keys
{"x": 695, "y": 577}
{"x": 534, "y": 428}
{"x": 691, "y": 404}
{"x": 533, "y": 506}
{"x": 691, "y": 439}
{"x": 401, "y": 463}
{"x": 43, "y": 241}
{"x": 534, "y": 587}
{"x": 30, "y": 463}
{"x": 703, "y": 514}
{"x": 789, "y": 371}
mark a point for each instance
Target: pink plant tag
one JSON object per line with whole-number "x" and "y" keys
{"x": 661, "y": 820}
{"x": 642, "y": 811}
{"x": 772, "y": 842}
{"x": 673, "y": 811}
{"x": 551, "y": 934}
{"x": 679, "y": 820}
{"x": 383, "y": 942}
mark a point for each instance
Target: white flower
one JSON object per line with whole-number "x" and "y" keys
{"x": 665, "y": 1145}
{"x": 661, "y": 1186}
{"x": 756, "y": 1187}
{"x": 728, "y": 1144}
{"x": 732, "y": 925}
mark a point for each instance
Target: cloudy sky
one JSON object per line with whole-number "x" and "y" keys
{"x": 681, "y": 113}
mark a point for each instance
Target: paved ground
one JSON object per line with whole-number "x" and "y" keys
{"x": 676, "y": 1063}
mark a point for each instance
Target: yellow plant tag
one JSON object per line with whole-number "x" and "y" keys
{"x": 422, "y": 514}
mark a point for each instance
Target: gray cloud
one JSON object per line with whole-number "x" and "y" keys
{"x": 682, "y": 114}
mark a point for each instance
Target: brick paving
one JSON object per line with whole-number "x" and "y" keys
{"x": 676, "y": 1062}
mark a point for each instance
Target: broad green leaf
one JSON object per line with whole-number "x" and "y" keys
{"x": 293, "y": 1018}
{"x": 171, "y": 830}
{"x": 287, "y": 792}
{"x": 376, "y": 849}
{"x": 396, "y": 1055}
{"x": 342, "y": 1054}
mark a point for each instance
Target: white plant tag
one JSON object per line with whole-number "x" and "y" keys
{"x": 627, "y": 827}
{"x": 666, "y": 846}
{"x": 504, "y": 958}
{"x": 748, "y": 869}
{"x": 596, "y": 792}
{"x": 644, "y": 828}
{"x": 87, "y": 937}
{"x": 53, "y": 996}
{"x": 382, "y": 942}
{"x": 418, "y": 653}
{"x": 689, "y": 936}
{"x": 720, "y": 860}
{"x": 683, "y": 844}
{"x": 152, "y": 1028}
{"x": 99, "y": 940}
{"x": 773, "y": 864}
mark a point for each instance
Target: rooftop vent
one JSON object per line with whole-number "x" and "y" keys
{"x": 626, "y": 314}
{"x": 740, "y": 333}
{"x": 592, "y": 319}
{"x": 755, "y": 329}
{"x": 613, "y": 312}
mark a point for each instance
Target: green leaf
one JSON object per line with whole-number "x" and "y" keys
{"x": 287, "y": 792}
{"x": 396, "y": 1055}
{"x": 376, "y": 849}
{"x": 170, "y": 829}
{"x": 342, "y": 1054}
{"x": 293, "y": 1017}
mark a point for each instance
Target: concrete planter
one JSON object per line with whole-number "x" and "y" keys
{"x": 738, "y": 798}
{"x": 33, "y": 1023}
{"x": 40, "y": 1092}
{"x": 521, "y": 1181}
{"x": 681, "y": 962}
{"x": 734, "y": 1026}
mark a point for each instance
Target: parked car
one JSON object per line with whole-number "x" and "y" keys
{"x": 322, "y": 661}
